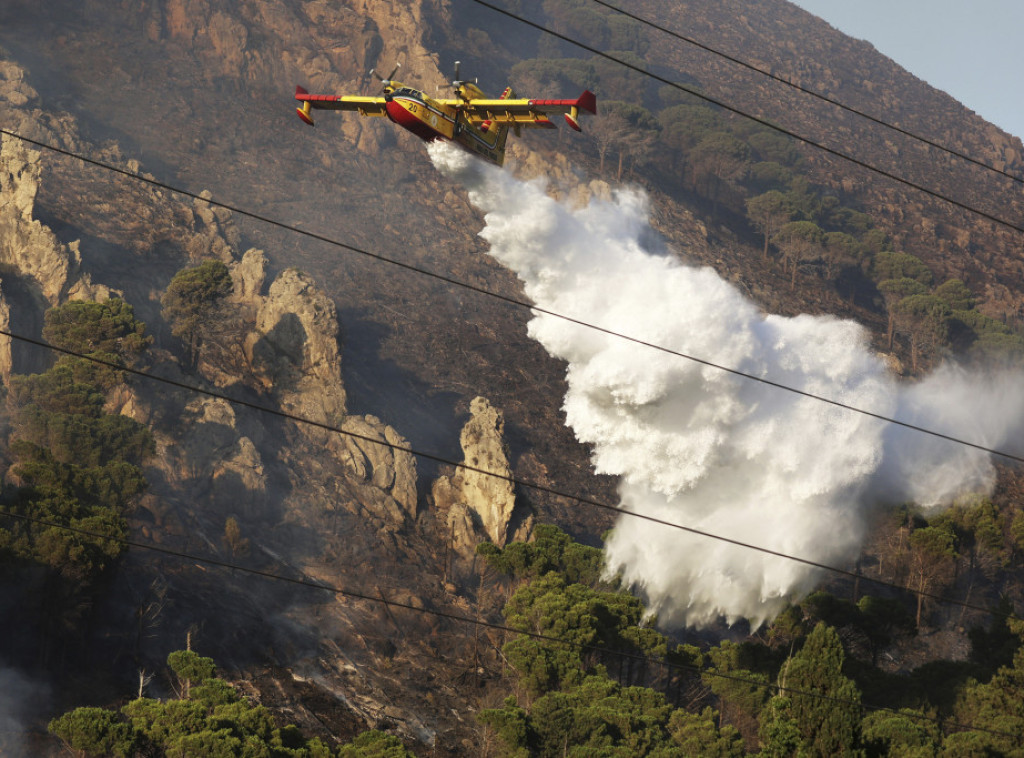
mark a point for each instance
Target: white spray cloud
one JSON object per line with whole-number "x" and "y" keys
{"x": 717, "y": 452}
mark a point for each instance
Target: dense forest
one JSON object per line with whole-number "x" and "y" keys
{"x": 588, "y": 675}
{"x": 74, "y": 476}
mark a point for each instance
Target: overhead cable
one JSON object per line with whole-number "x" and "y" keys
{"x": 856, "y": 575}
{"x": 806, "y": 91}
{"x": 459, "y": 618}
{"x": 511, "y": 300}
{"x": 757, "y": 119}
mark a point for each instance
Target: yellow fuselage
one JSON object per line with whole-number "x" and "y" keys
{"x": 430, "y": 120}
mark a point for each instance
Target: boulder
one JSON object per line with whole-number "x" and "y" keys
{"x": 372, "y": 452}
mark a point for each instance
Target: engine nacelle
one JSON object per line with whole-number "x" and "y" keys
{"x": 469, "y": 91}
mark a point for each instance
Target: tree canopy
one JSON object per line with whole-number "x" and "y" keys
{"x": 75, "y": 468}
{"x": 208, "y": 719}
{"x": 192, "y": 298}
{"x": 109, "y": 327}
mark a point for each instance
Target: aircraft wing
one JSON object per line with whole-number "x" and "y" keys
{"x": 366, "y": 106}
{"x": 529, "y": 113}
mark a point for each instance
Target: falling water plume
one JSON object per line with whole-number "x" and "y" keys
{"x": 709, "y": 449}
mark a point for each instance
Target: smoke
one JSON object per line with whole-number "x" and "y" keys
{"x": 21, "y": 702}
{"x": 708, "y": 449}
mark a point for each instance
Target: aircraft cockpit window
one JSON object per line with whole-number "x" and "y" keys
{"x": 403, "y": 91}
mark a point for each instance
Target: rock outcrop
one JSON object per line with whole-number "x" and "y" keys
{"x": 13, "y": 87}
{"x": 373, "y": 453}
{"x": 294, "y": 348}
{"x": 217, "y": 448}
{"x": 249, "y": 275}
{"x": 215, "y": 232}
{"x": 480, "y": 498}
{"x": 294, "y": 354}
{"x": 28, "y": 246}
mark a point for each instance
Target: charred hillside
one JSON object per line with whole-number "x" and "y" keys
{"x": 205, "y": 90}
{"x": 386, "y": 360}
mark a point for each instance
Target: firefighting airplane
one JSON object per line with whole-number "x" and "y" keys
{"x": 476, "y": 123}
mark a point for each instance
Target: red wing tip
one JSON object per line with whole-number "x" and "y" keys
{"x": 300, "y": 90}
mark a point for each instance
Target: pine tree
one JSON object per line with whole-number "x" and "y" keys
{"x": 192, "y": 299}
{"x": 817, "y": 699}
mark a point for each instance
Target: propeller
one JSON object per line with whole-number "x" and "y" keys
{"x": 386, "y": 81}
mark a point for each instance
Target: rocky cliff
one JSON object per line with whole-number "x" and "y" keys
{"x": 26, "y": 245}
{"x": 40, "y": 270}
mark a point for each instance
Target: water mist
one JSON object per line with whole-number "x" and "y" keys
{"x": 709, "y": 449}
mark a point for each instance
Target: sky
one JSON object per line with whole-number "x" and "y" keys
{"x": 970, "y": 49}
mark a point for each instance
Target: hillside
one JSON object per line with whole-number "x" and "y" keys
{"x": 955, "y": 242}
{"x": 385, "y": 360}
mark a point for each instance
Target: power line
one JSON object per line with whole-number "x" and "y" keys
{"x": 439, "y": 459}
{"x": 518, "y": 303}
{"x": 362, "y": 595}
{"x": 812, "y": 93}
{"x": 756, "y": 119}
{"x": 457, "y": 617}
{"x": 508, "y": 478}
{"x": 508, "y": 299}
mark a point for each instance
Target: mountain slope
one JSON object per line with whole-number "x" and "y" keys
{"x": 197, "y": 93}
